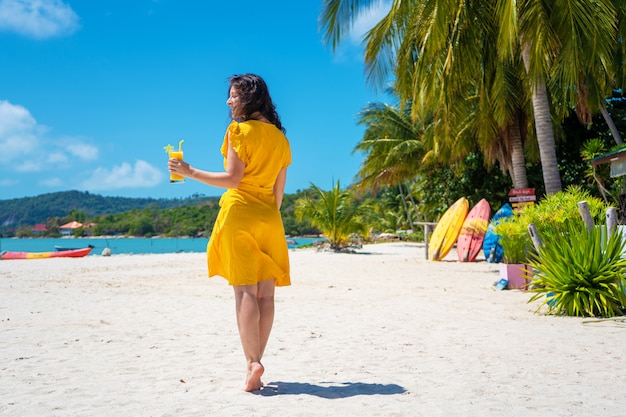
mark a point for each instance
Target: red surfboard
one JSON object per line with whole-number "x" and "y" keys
{"x": 470, "y": 241}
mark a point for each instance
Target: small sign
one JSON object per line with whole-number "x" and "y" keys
{"x": 522, "y": 191}
{"x": 519, "y": 198}
{"x": 522, "y": 204}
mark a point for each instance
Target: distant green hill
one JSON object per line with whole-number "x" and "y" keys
{"x": 29, "y": 211}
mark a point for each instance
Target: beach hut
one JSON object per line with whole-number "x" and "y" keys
{"x": 617, "y": 159}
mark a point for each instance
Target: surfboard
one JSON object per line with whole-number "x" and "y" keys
{"x": 447, "y": 230}
{"x": 473, "y": 231}
{"x": 491, "y": 247}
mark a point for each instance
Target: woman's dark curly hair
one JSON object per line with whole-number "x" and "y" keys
{"x": 255, "y": 96}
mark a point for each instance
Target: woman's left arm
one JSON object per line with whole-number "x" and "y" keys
{"x": 279, "y": 186}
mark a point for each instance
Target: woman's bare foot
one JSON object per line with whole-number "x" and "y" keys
{"x": 253, "y": 378}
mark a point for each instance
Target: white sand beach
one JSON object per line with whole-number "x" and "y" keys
{"x": 382, "y": 332}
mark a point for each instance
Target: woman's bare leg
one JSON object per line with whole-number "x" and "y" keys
{"x": 265, "y": 297}
{"x": 255, "y": 316}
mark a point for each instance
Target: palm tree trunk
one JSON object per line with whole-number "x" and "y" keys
{"x": 609, "y": 121}
{"x": 518, "y": 161}
{"x": 406, "y": 208}
{"x": 413, "y": 203}
{"x": 543, "y": 129}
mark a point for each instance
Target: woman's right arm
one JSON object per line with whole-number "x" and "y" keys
{"x": 228, "y": 179}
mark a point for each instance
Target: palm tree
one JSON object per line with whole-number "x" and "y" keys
{"x": 562, "y": 42}
{"x": 483, "y": 106}
{"x": 434, "y": 46}
{"x": 597, "y": 78}
{"x": 333, "y": 212}
{"x": 393, "y": 148}
{"x": 392, "y": 144}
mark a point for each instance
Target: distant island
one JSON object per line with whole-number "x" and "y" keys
{"x": 42, "y": 215}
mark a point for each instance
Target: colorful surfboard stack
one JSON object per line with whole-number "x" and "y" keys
{"x": 471, "y": 230}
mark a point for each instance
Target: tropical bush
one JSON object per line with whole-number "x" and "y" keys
{"x": 555, "y": 215}
{"x": 582, "y": 274}
{"x": 333, "y": 212}
{"x": 514, "y": 239}
{"x": 552, "y": 216}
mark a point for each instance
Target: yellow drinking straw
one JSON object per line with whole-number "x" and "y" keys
{"x": 169, "y": 148}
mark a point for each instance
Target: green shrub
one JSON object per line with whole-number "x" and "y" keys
{"x": 514, "y": 239}
{"x": 582, "y": 273}
{"x": 557, "y": 213}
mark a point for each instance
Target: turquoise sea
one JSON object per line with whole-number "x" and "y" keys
{"x": 124, "y": 245}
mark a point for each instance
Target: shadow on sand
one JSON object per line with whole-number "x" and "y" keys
{"x": 329, "y": 390}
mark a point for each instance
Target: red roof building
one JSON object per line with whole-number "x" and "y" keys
{"x": 39, "y": 228}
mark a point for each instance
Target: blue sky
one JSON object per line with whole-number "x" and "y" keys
{"x": 92, "y": 90}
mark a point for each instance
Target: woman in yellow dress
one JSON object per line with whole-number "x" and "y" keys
{"x": 248, "y": 245}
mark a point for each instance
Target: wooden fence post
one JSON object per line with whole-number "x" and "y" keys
{"x": 583, "y": 208}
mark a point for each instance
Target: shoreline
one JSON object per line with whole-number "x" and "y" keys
{"x": 380, "y": 332}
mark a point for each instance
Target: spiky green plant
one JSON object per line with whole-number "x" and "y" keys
{"x": 333, "y": 212}
{"x": 581, "y": 274}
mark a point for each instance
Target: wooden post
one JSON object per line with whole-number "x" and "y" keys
{"x": 428, "y": 227}
{"x": 534, "y": 236}
{"x": 611, "y": 221}
{"x": 583, "y": 208}
{"x": 426, "y": 230}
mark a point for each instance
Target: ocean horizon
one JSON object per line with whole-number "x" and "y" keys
{"x": 123, "y": 245}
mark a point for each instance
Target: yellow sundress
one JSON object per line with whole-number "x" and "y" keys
{"x": 248, "y": 242}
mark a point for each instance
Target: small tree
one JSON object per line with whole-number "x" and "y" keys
{"x": 333, "y": 212}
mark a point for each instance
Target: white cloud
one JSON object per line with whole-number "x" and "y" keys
{"x": 84, "y": 151}
{"x": 51, "y": 182}
{"x": 38, "y": 18}
{"x": 8, "y": 182}
{"x": 27, "y": 148}
{"x": 29, "y": 165}
{"x": 18, "y": 132}
{"x": 57, "y": 158}
{"x": 142, "y": 174}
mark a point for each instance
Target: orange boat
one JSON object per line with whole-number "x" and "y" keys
{"x": 73, "y": 253}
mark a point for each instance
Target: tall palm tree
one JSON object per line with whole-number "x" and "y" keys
{"x": 562, "y": 42}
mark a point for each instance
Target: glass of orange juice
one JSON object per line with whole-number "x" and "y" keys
{"x": 177, "y": 154}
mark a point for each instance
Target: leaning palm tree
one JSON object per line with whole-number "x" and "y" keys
{"x": 392, "y": 144}
{"x": 333, "y": 212}
{"x": 393, "y": 150}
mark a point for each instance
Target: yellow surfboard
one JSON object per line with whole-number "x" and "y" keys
{"x": 447, "y": 230}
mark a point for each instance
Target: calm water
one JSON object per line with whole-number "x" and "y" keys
{"x": 121, "y": 245}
